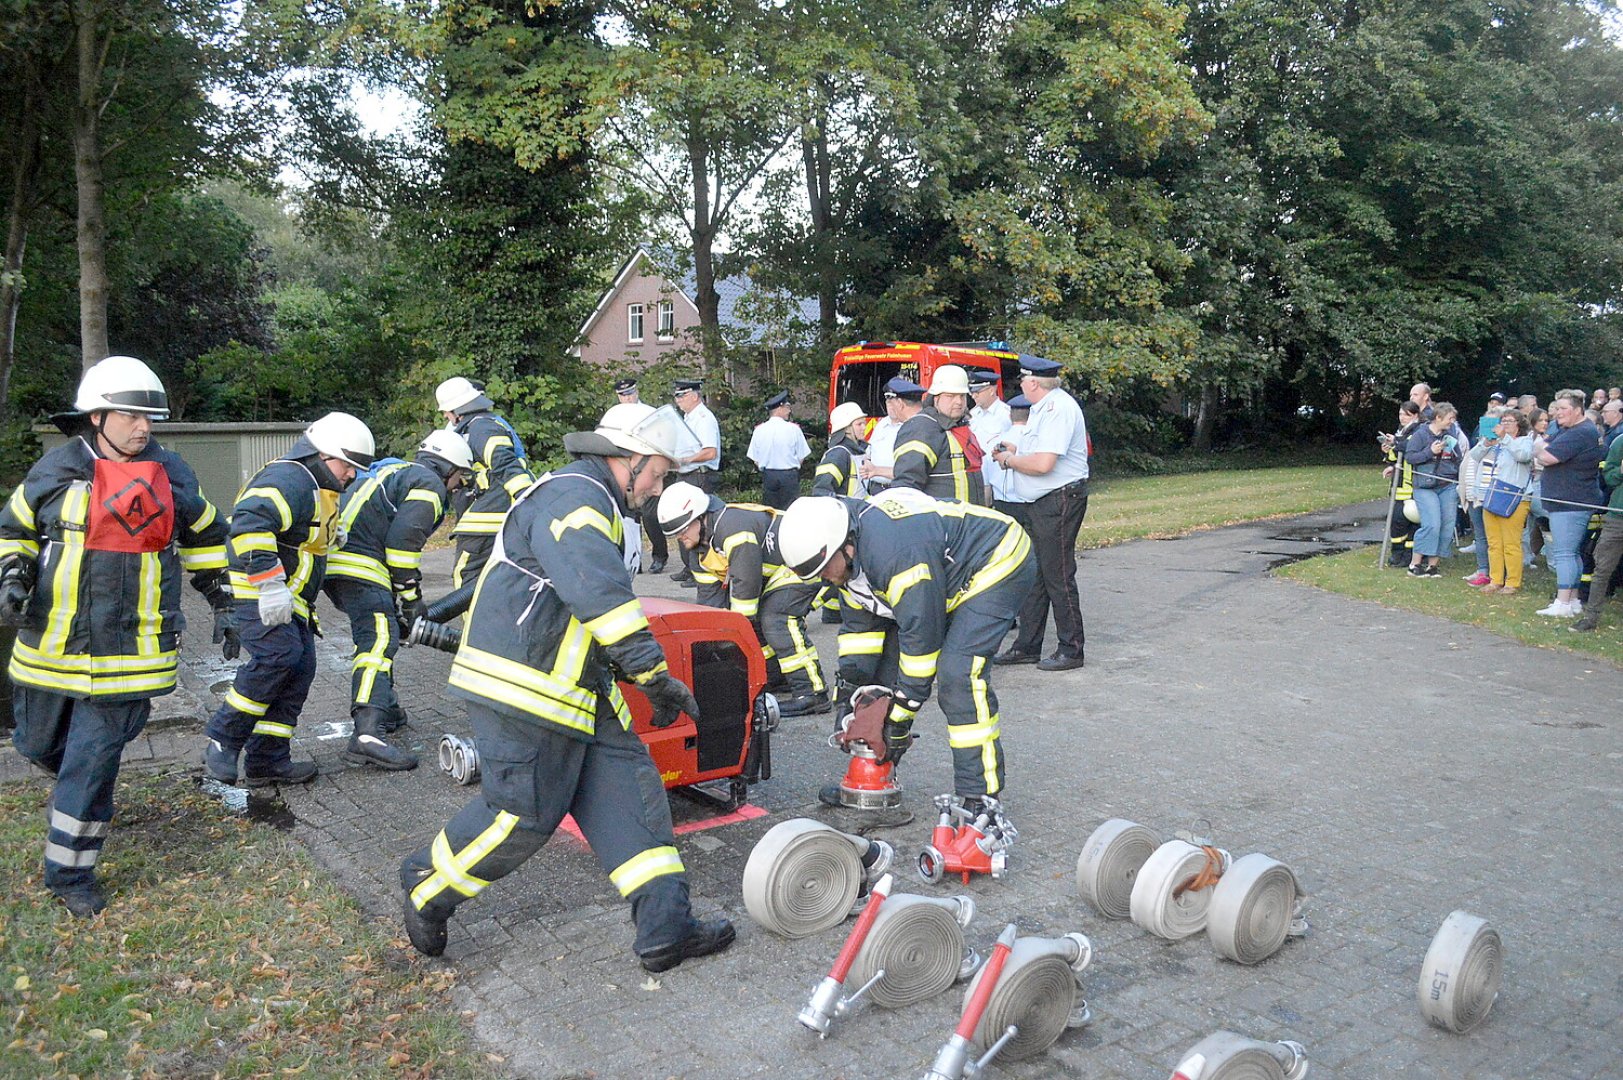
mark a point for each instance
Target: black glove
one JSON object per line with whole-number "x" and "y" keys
{"x": 898, "y": 739}
{"x": 669, "y": 696}
{"x": 409, "y": 607}
{"x": 215, "y": 586}
{"x": 16, "y": 587}
{"x": 225, "y": 633}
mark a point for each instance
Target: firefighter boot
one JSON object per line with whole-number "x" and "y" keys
{"x": 282, "y": 772}
{"x": 84, "y": 899}
{"x": 705, "y": 938}
{"x": 220, "y": 763}
{"x": 425, "y": 929}
{"x": 366, "y": 745}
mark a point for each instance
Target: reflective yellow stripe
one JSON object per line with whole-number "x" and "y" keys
{"x": 19, "y": 547}
{"x": 66, "y": 662}
{"x": 374, "y": 661}
{"x": 642, "y": 677}
{"x": 429, "y": 497}
{"x": 866, "y": 643}
{"x": 618, "y": 624}
{"x": 917, "y": 447}
{"x": 455, "y": 871}
{"x": 732, "y": 542}
{"x": 273, "y": 729}
{"x": 401, "y": 559}
{"x": 349, "y": 564}
{"x": 255, "y": 541}
{"x": 206, "y": 518}
{"x": 65, "y": 580}
{"x": 639, "y": 870}
{"x": 148, "y": 606}
{"x": 583, "y": 517}
{"x": 1006, "y": 558}
{"x": 960, "y": 736}
{"x": 18, "y": 505}
{"x": 490, "y": 448}
{"x": 80, "y": 675}
{"x": 203, "y": 558}
{"x": 508, "y": 682}
{"x": 987, "y": 725}
{"x": 234, "y": 699}
{"x": 831, "y": 470}
{"x": 900, "y": 583}
{"x": 918, "y": 667}
{"x": 573, "y": 648}
{"x": 748, "y": 608}
{"x": 960, "y": 470}
{"x": 780, "y": 577}
{"x": 515, "y": 485}
{"x": 479, "y": 523}
{"x": 275, "y": 498}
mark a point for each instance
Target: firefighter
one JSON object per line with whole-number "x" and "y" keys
{"x": 840, "y": 473}
{"x": 553, "y": 620}
{"x": 92, "y": 546}
{"x": 936, "y": 451}
{"x": 1403, "y": 529}
{"x": 376, "y": 580}
{"x": 500, "y": 472}
{"x": 915, "y": 615}
{"x": 282, "y": 527}
{"x": 738, "y": 545}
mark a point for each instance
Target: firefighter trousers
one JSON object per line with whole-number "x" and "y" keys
{"x": 789, "y": 649}
{"x": 529, "y": 778}
{"x": 262, "y": 707}
{"x": 472, "y": 552}
{"x": 375, "y": 630}
{"x": 80, "y": 742}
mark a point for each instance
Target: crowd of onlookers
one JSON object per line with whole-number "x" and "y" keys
{"x": 1523, "y": 480}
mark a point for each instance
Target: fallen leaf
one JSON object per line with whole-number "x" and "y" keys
{"x": 23, "y": 983}
{"x": 97, "y": 1034}
{"x": 650, "y": 983}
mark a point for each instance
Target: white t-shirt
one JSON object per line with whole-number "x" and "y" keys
{"x": 1005, "y": 484}
{"x": 1056, "y": 427}
{"x": 778, "y": 444}
{"x": 707, "y": 428}
{"x": 989, "y": 423}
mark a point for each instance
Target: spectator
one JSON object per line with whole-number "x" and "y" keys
{"x": 1597, "y": 399}
{"x": 1420, "y": 394}
{"x": 1510, "y": 450}
{"x": 778, "y": 446}
{"x": 1609, "y": 548}
{"x": 1435, "y": 450}
{"x": 1526, "y": 404}
{"x": 1538, "y": 423}
{"x": 1570, "y": 489}
{"x": 1615, "y": 393}
{"x": 1611, "y": 418}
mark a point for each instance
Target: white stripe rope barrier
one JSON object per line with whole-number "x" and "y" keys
{"x": 1462, "y": 972}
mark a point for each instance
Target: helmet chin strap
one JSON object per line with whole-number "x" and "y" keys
{"x": 631, "y": 477}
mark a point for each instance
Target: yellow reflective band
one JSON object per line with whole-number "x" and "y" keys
{"x": 18, "y": 505}
{"x": 618, "y": 624}
{"x": 643, "y": 676}
{"x": 256, "y": 541}
{"x": 903, "y": 581}
{"x": 401, "y": 559}
{"x": 273, "y": 729}
{"x": 148, "y": 608}
{"x": 732, "y": 542}
{"x": 747, "y": 608}
{"x": 374, "y": 661}
{"x": 583, "y": 517}
{"x": 901, "y": 714}
{"x": 206, "y": 518}
{"x": 980, "y": 692}
{"x": 479, "y": 523}
{"x": 203, "y": 558}
{"x": 866, "y": 643}
{"x": 1005, "y": 559}
{"x": 429, "y": 497}
{"x": 573, "y": 648}
{"x": 456, "y": 870}
{"x": 515, "y": 485}
{"x": 348, "y": 564}
{"x": 960, "y": 736}
{"x": 64, "y": 856}
{"x": 82, "y": 675}
{"x": 639, "y": 870}
{"x": 510, "y": 683}
{"x": 916, "y": 447}
{"x": 247, "y": 705}
{"x": 767, "y": 651}
{"x": 918, "y": 667}
{"x": 65, "y": 581}
{"x": 19, "y": 547}
{"x": 781, "y": 577}
{"x": 490, "y": 448}
{"x": 704, "y": 577}
{"x": 275, "y": 498}
{"x": 829, "y": 469}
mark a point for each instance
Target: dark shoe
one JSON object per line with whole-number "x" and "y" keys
{"x": 83, "y": 901}
{"x": 284, "y": 772}
{"x": 829, "y": 795}
{"x": 1060, "y": 662}
{"x": 804, "y": 705}
{"x": 657, "y": 566}
{"x": 1015, "y": 656}
{"x": 366, "y": 745}
{"x": 427, "y": 934}
{"x": 1586, "y": 625}
{"x": 682, "y": 577}
{"x": 688, "y": 583}
{"x": 393, "y": 720}
{"x": 1434, "y": 570}
{"x": 220, "y": 763}
{"x": 705, "y": 938}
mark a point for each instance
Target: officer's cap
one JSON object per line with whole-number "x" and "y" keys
{"x": 686, "y": 386}
{"x": 980, "y": 378}
{"x": 780, "y": 398}
{"x": 1019, "y": 401}
{"x": 626, "y": 386}
{"x": 905, "y": 388}
{"x": 1036, "y": 365}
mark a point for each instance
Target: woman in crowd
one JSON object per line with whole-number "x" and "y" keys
{"x": 1510, "y": 449}
{"x": 1569, "y": 489}
{"x": 1538, "y": 425}
{"x": 1434, "y": 450}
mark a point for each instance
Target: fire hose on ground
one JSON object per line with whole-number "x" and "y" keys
{"x": 1172, "y": 893}
{"x": 1223, "y": 1055}
{"x": 1110, "y": 862}
{"x": 803, "y": 877}
{"x": 1254, "y": 907}
{"x": 1461, "y": 975}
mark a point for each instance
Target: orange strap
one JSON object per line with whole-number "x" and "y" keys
{"x": 1206, "y": 877}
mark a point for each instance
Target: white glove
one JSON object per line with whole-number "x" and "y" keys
{"x": 275, "y": 603}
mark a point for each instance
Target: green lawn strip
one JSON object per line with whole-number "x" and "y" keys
{"x": 1354, "y": 573}
{"x": 1165, "y": 506}
{"x": 225, "y": 951}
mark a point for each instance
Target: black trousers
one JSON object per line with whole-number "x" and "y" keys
{"x": 1053, "y": 522}
{"x": 780, "y": 487}
{"x": 375, "y": 630}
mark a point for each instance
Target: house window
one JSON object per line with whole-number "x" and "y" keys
{"x": 634, "y": 322}
{"x": 667, "y": 320}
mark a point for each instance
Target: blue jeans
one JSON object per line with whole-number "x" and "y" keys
{"x": 1437, "y": 507}
{"x": 1567, "y": 531}
{"x": 1480, "y": 538}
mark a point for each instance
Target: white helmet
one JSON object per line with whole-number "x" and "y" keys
{"x": 679, "y": 505}
{"x": 123, "y": 383}
{"x": 457, "y": 395}
{"x": 640, "y": 428}
{"x": 813, "y": 529}
{"x": 844, "y": 415}
{"x": 448, "y": 446}
{"x": 1411, "y": 510}
{"x": 949, "y": 379}
{"x": 343, "y": 436}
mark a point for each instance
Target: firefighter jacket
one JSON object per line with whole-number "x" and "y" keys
{"x": 744, "y": 554}
{"x": 500, "y": 472}
{"x": 109, "y": 540}
{"x": 837, "y": 472}
{"x": 939, "y": 457}
{"x": 1405, "y": 471}
{"x": 914, "y": 565}
{"x": 285, "y": 523}
{"x": 387, "y": 514}
{"x": 553, "y": 614}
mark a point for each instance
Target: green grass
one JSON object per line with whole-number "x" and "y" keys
{"x": 225, "y": 952}
{"x": 1355, "y": 574}
{"x": 1165, "y": 506}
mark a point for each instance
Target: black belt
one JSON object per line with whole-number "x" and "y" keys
{"x": 1072, "y": 486}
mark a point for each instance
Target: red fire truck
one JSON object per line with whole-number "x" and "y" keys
{"x": 860, "y": 371}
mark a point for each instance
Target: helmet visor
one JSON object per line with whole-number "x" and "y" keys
{"x": 154, "y": 402}
{"x": 667, "y": 434}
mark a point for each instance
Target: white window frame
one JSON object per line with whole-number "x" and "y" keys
{"x": 665, "y": 329}
{"x": 634, "y": 328}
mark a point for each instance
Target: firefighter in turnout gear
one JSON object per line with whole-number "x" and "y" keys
{"x": 500, "y": 472}
{"x": 92, "y": 546}
{"x": 553, "y": 620}
{"x": 936, "y": 451}
{"x": 283, "y": 526}
{"x": 386, "y": 517}
{"x": 930, "y": 590}
{"x": 1403, "y": 529}
{"x": 840, "y": 473}
{"x": 739, "y": 547}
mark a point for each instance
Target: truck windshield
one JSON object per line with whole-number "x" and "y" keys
{"x": 863, "y": 381}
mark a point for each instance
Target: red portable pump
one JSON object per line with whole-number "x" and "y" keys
{"x": 966, "y": 843}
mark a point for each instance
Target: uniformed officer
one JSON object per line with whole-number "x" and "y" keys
{"x": 626, "y": 393}
{"x": 283, "y": 526}
{"x": 738, "y": 546}
{"x": 989, "y": 415}
{"x": 936, "y": 451}
{"x": 904, "y": 398}
{"x": 500, "y": 471}
{"x": 931, "y": 587}
{"x": 778, "y": 446}
{"x": 92, "y": 546}
{"x": 1403, "y": 529}
{"x": 386, "y": 517}
{"x": 1005, "y": 488}
{"x": 553, "y": 619}
{"x": 701, "y": 470}
{"x": 1052, "y": 463}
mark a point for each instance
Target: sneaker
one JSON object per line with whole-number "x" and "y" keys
{"x": 705, "y": 938}
{"x": 1434, "y": 570}
{"x": 1469, "y": 549}
{"x": 1417, "y": 570}
{"x": 1060, "y": 662}
{"x": 1478, "y": 579}
{"x": 1558, "y": 609}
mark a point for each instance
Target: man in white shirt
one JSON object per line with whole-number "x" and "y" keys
{"x": 1052, "y": 464}
{"x": 777, "y": 447}
{"x": 989, "y": 417}
{"x": 903, "y": 400}
{"x": 700, "y": 470}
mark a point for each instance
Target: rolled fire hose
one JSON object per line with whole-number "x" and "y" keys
{"x": 1110, "y": 862}
{"x": 1039, "y": 994}
{"x": 802, "y": 877}
{"x": 1462, "y": 972}
{"x": 918, "y": 941}
{"x": 1154, "y": 905}
{"x": 459, "y": 758}
{"x": 1253, "y": 908}
{"x": 1223, "y": 1055}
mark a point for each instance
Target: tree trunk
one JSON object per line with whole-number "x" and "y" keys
{"x": 708, "y": 300}
{"x": 1206, "y": 416}
{"x": 88, "y": 173}
{"x": 11, "y": 272}
{"x": 819, "y": 174}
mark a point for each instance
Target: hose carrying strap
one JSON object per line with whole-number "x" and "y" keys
{"x": 1162, "y": 901}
